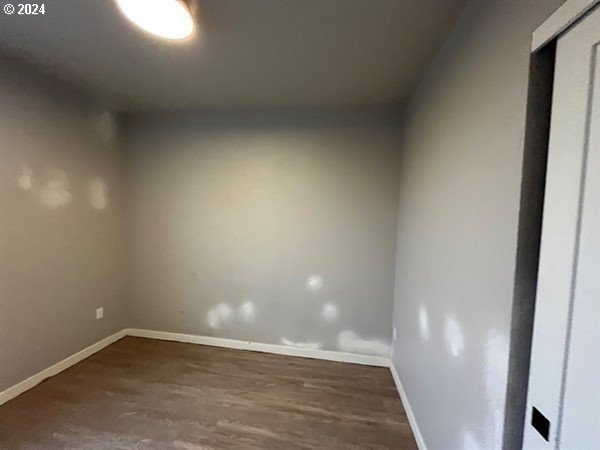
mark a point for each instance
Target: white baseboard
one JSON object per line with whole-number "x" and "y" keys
{"x": 409, "y": 412}
{"x": 55, "y": 369}
{"x": 369, "y": 360}
{"x": 266, "y": 348}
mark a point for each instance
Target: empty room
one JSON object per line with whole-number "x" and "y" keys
{"x": 311, "y": 224}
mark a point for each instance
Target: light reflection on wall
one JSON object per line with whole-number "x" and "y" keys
{"x": 98, "y": 193}
{"x": 217, "y": 315}
{"x": 423, "y": 322}
{"x": 56, "y": 191}
{"x": 453, "y": 337}
{"x": 329, "y": 312}
{"x": 314, "y": 283}
{"x": 247, "y": 311}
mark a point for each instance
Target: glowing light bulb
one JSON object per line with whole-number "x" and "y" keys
{"x": 169, "y": 19}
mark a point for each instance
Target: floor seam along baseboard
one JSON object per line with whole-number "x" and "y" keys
{"x": 328, "y": 355}
{"x": 412, "y": 420}
{"x": 355, "y": 358}
{"x": 55, "y": 369}
{"x": 79, "y": 356}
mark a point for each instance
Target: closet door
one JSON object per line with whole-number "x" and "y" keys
{"x": 564, "y": 381}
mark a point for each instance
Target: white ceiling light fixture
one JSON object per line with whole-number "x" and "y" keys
{"x": 169, "y": 19}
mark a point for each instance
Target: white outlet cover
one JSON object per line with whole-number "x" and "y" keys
{"x": 99, "y": 313}
{"x": 394, "y": 333}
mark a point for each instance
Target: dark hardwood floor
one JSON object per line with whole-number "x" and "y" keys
{"x": 142, "y": 393}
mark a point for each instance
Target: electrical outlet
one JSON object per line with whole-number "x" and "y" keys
{"x": 394, "y": 333}
{"x": 99, "y": 313}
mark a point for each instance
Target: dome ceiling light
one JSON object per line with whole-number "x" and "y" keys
{"x": 169, "y": 19}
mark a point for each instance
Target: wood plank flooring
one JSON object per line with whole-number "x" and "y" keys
{"x": 149, "y": 394}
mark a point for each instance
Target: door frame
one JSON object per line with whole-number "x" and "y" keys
{"x": 557, "y": 23}
{"x": 535, "y": 156}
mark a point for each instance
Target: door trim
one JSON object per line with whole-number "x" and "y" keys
{"x": 557, "y": 23}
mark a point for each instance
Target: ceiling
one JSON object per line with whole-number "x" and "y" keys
{"x": 246, "y": 55}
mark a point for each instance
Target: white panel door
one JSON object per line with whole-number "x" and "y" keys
{"x": 564, "y": 380}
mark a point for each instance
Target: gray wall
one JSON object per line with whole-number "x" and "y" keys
{"x": 61, "y": 223}
{"x": 457, "y": 232}
{"x": 273, "y": 228}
